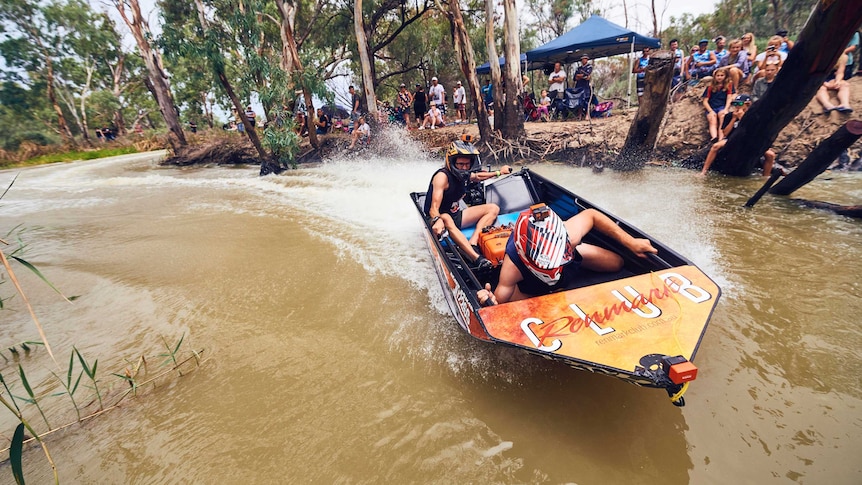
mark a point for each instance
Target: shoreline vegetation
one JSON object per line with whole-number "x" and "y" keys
{"x": 579, "y": 142}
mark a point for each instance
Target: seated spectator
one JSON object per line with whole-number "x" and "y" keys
{"x": 741, "y": 104}
{"x": 716, "y": 100}
{"x": 736, "y": 62}
{"x": 361, "y": 134}
{"x": 337, "y": 124}
{"x": 763, "y": 84}
{"x": 786, "y": 43}
{"x": 640, "y": 69}
{"x": 544, "y": 106}
{"x": 688, "y": 65}
{"x": 704, "y": 61}
{"x": 852, "y": 53}
{"x": 835, "y": 82}
{"x": 770, "y": 56}
{"x": 322, "y": 124}
{"x": 749, "y": 46}
{"x": 434, "y": 116}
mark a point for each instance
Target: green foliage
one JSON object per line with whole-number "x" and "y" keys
{"x": 282, "y": 142}
{"x": 16, "y": 452}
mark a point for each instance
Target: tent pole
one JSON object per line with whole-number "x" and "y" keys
{"x": 631, "y": 66}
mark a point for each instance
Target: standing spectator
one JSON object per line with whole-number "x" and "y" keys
{"x": 704, "y": 60}
{"x": 437, "y": 95}
{"x": 557, "y": 82}
{"x": 736, "y": 62}
{"x": 251, "y": 115}
{"x": 836, "y": 82}
{"x": 716, "y": 100}
{"x": 405, "y": 99}
{"x": 488, "y": 97}
{"x": 583, "y": 75}
{"x": 640, "y": 69}
{"x": 749, "y": 46}
{"x": 354, "y": 103}
{"x": 741, "y": 104}
{"x": 420, "y": 103}
{"x": 322, "y": 124}
{"x": 786, "y": 43}
{"x": 720, "y": 52}
{"x": 763, "y": 84}
{"x": 193, "y": 126}
{"x": 525, "y": 84}
{"x": 460, "y": 100}
{"x": 851, "y": 51}
{"x": 673, "y": 45}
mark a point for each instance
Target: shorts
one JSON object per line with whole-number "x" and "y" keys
{"x": 461, "y": 106}
{"x": 457, "y": 217}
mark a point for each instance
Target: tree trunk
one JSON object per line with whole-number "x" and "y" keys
{"x": 141, "y": 32}
{"x": 820, "y": 43}
{"x": 844, "y": 210}
{"x": 117, "y": 90}
{"x": 513, "y": 126}
{"x": 464, "y": 51}
{"x": 820, "y": 158}
{"x": 62, "y": 126}
{"x": 240, "y": 110}
{"x": 287, "y": 34}
{"x": 365, "y": 61}
{"x": 644, "y": 129}
{"x": 494, "y": 60}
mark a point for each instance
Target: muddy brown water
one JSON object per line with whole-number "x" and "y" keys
{"x": 332, "y": 357}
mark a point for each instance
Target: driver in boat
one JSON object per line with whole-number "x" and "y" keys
{"x": 544, "y": 252}
{"x": 446, "y": 191}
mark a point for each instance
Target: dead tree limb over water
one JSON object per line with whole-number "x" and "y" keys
{"x": 643, "y": 133}
{"x": 822, "y": 40}
{"x": 820, "y": 159}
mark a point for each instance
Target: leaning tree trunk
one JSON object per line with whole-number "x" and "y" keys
{"x": 293, "y": 56}
{"x": 240, "y": 110}
{"x": 62, "y": 126}
{"x": 822, "y": 40}
{"x": 464, "y": 51}
{"x": 644, "y": 129}
{"x": 513, "y": 124}
{"x": 494, "y": 62}
{"x": 365, "y": 60}
{"x": 820, "y": 158}
{"x": 141, "y": 32}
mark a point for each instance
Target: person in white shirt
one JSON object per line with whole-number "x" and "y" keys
{"x": 460, "y": 100}
{"x": 434, "y": 116}
{"x": 437, "y": 95}
{"x": 362, "y": 133}
{"x": 557, "y": 82}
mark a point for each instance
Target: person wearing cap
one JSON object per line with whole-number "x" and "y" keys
{"x": 459, "y": 98}
{"x": 786, "y": 43}
{"x": 704, "y": 60}
{"x": 544, "y": 252}
{"x": 720, "y": 52}
{"x": 740, "y": 106}
{"x": 437, "y": 95}
{"x": 640, "y": 69}
{"x": 420, "y": 103}
{"x": 583, "y": 75}
{"x": 405, "y": 99}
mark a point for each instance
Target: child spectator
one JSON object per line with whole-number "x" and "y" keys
{"x": 736, "y": 62}
{"x": 434, "y": 116}
{"x": 544, "y": 106}
{"x": 741, "y": 104}
{"x": 716, "y": 100}
{"x": 459, "y": 98}
{"x": 835, "y": 82}
{"x": 763, "y": 84}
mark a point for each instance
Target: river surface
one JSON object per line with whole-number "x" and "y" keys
{"x": 331, "y": 356}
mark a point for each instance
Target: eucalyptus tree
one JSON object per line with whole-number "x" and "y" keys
{"x": 494, "y": 61}
{"x": 31, "y": 40}
{"x": 513, "y": 124}
{"x": 157, "y": 79}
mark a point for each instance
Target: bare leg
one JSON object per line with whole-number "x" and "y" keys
{"x": 711, "y": 118}
{"x": 768, "y": 161}
{"x": 822, "y": 97}
{"x": 458, "y": 237}
{"x": 844, "y": 94}
{"x": 482, "y": 215}
{"x": 710, "y": 157}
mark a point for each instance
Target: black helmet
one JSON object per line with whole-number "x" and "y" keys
{"x": 462, "y": 148}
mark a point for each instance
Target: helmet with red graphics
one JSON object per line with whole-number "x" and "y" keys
{"x": 543, "y": 243}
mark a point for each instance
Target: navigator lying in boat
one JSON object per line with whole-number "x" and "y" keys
{"x": 543, "y": 252}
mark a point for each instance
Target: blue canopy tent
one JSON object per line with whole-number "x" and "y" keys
{"x": 486, "y": 67}
{"x": 595, "y": 37}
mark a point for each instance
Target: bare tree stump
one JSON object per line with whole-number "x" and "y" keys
{"x": 844, "y": 210}
{"x": 821, "y": 42}
{"x": 820, "y": 159}
{"x": 644, "y": 129}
